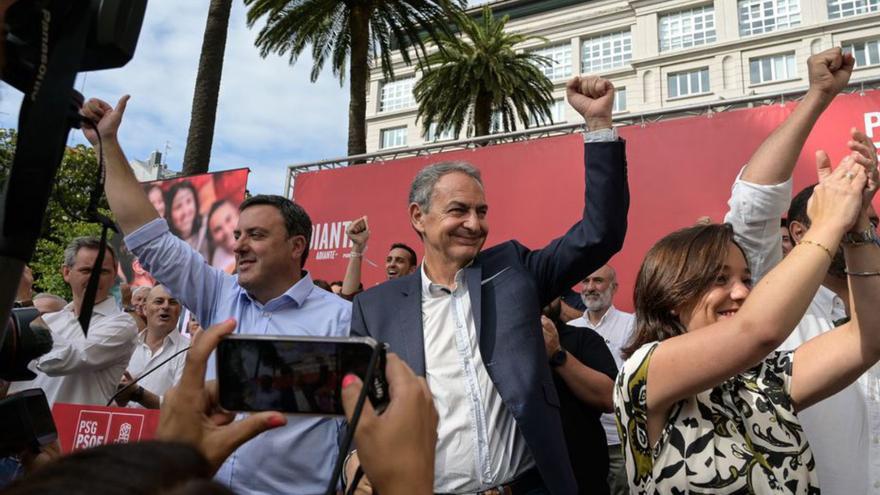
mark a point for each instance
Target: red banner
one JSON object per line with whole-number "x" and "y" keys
{"x": 80, "y": 426}
{"x": 679, "y": 170}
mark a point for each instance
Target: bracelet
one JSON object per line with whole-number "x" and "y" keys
{"x": 353, "y": 254}
{"x": 345, "y": 465}
{"x": 827, "y": 251}
{"x": 862, "y": 274}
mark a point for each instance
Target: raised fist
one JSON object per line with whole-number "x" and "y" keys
{"x": 359, "y": 232}
{"x": 593, "y": 98}
{"x": 830, "y": 71}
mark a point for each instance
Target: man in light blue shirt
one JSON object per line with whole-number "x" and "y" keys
{"x": 271, "y": 294}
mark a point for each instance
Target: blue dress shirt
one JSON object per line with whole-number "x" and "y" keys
{"x": 297, "y": 458}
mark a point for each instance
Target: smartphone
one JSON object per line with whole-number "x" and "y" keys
{"x": 296, "y": 375}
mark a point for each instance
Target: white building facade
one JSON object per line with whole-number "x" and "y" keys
{"x": 660, "y": 55}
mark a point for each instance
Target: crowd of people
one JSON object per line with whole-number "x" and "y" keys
{"x": 748, "y": 365}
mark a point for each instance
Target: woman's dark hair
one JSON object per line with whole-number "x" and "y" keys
{"x": 142, "y": 468}
{"x": 676, "y": 272}
{"x": 169, "y": 203}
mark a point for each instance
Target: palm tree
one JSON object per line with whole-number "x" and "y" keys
{"x": 200, "y": 137}
{"x": 364, "y": 31}
{"x": 477, "y": 75}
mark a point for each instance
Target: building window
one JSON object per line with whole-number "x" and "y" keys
{"x": 394, "y": 137}
{"x": 560, "y": 55}
{"x": 865, "y": 52}
{"x": 557, "y": 115}
{"x": 396, "y": 95}
{"x": 779, "y": 67}
{"x": 606, "y": 51}
{"x": 619, "y": 100}
{"x": 687, "y": 28}
{"x": 846, "y": 8}
{"x": 433, "y": 137}
{"x": 689, "y": 83}
{"x": 764, "y": 16}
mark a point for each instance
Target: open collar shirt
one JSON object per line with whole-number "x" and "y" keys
{"x": 84, "y": 369}
{"x": 615, "y": 327}
{"x": 296, "y": 458}
{"x": 479, "y": 445}
{"x": 844, "y": 429}
{"x": 144, "y": 360}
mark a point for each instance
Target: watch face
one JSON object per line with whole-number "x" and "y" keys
{"x": 558, "y": 358}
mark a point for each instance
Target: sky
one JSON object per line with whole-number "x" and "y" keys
{"x": 269, "y": 114}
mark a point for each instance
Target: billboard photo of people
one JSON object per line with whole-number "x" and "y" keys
{"x": 200, "y": 209}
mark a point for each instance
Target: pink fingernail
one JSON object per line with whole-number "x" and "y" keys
{"x": 276, "y": 421}
{"x": 348, "y": 380}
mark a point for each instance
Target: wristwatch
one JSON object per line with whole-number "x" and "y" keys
{"x": 558, "y": 358}
{"x": 867, "y": 236}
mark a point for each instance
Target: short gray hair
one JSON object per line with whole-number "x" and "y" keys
{"x": 422, "y": 189}
{"x": 86, "y": 242}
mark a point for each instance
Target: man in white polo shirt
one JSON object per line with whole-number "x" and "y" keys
{"x": 615, "y": 327}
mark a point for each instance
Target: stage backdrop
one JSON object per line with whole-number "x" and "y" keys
{"x": 679, "y": 170}
{"x": 201, "y": 209}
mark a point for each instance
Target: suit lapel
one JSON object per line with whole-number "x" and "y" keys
{"x": 473, "y": 276}
{"x": 411, "y": 324}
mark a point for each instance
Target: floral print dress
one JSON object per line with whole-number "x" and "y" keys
{"x": 740, "y": 437}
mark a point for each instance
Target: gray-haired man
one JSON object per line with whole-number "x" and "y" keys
{"x": 84, "y": 369}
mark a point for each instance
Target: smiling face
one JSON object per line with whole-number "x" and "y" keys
{"x": 454, "y": 228}
{"x": 183, "y": 211}
{"x": 398, "y": 263}
{"x": 724, "y": 298}
{"x": 161, "y": 310}
{"x": 222, "y": 226}
{"x": 269, "y": 261}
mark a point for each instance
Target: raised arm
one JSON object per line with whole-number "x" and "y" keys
{"x": 359, "y": 233}
{"x": 702, "y": 358}
{"x": 826, "y": 364}
{"x": 774, "y": 161}
{"x": 599, "y": 234}
{"x": 126, "y": 197}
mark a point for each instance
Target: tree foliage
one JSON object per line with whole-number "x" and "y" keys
{"x": 479, "y": 74}
{"x": 353, "y": 33}
{"x": 65, "y": 213}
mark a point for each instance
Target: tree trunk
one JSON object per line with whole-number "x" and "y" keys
{"x": 359, "y": 73}
{"x": 200, "y": 138}
{"x": 482, "y": 114}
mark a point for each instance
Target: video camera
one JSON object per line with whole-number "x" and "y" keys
{"x": 47, "y": 42}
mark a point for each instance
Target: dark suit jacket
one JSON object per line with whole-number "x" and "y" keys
{"x": 508, "y": 285}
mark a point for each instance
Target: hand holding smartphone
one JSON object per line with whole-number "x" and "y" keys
{"x": 296, "y": 375}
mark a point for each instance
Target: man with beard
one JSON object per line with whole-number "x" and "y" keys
{"x": 158, "y": 342}
{"x": 615, "y": 327}
{"x": 401, "y": 259}
{"x": 843, "y": 430}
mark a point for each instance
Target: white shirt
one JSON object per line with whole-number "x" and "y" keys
{"x": 80, "y": 369}
{"x": 143, "y": 360}
{"x": 844, "y": 429}
{"x": 478, "y": 443}
{"x": 616, "y": 327}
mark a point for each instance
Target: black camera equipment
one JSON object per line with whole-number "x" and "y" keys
{"x": 27, "y": 422}
{"x": 23, "y": 343}
{"x": 47, "y": 43}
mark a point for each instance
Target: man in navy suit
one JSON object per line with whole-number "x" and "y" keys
{"x": 469, "y": 320}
